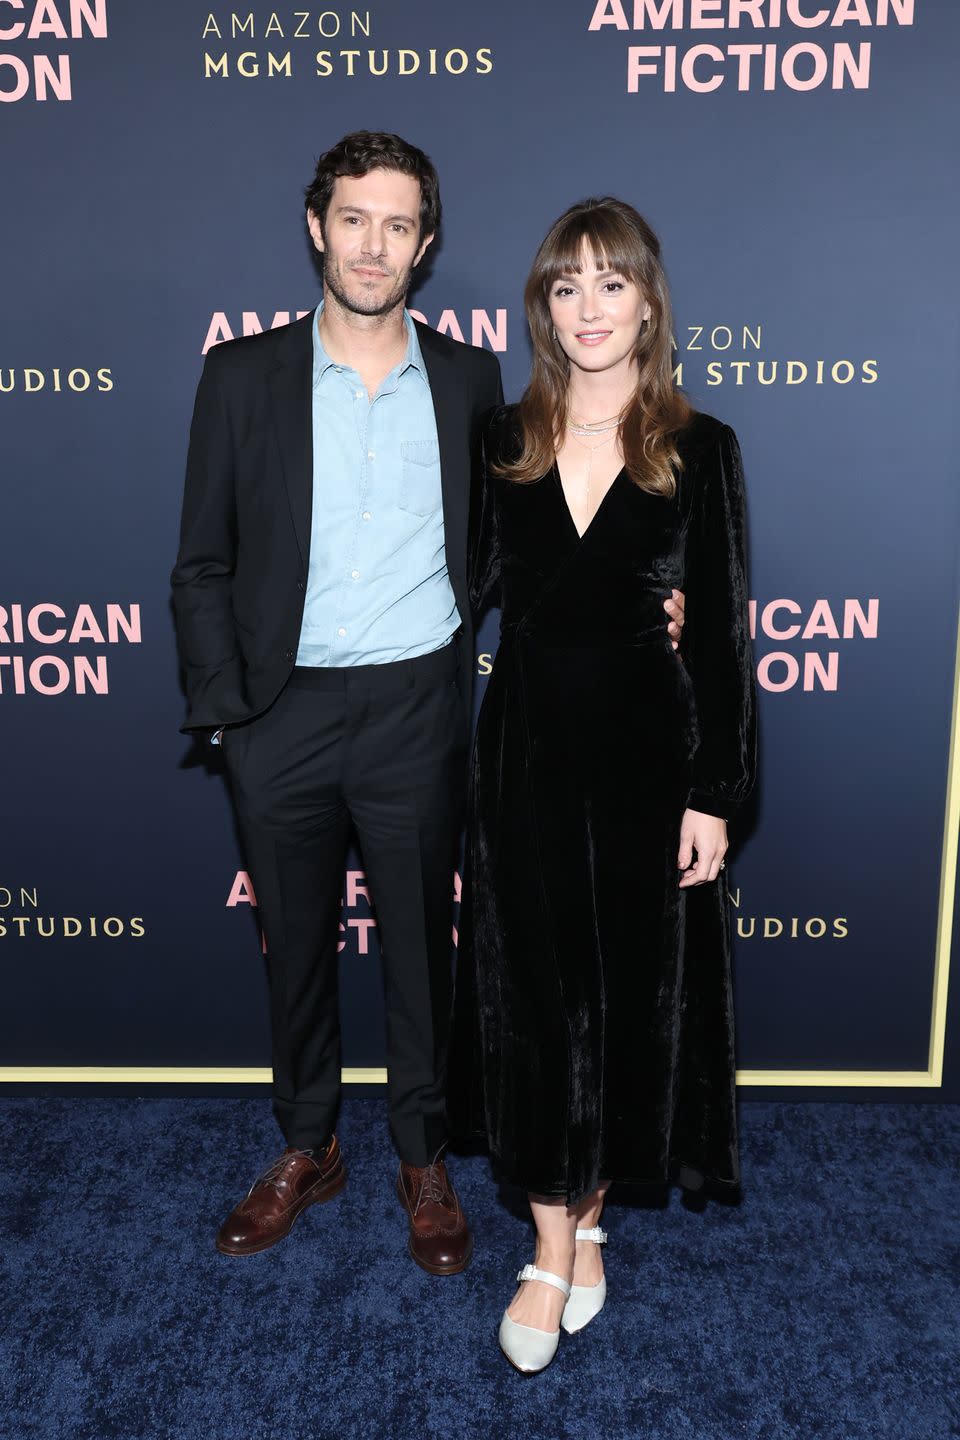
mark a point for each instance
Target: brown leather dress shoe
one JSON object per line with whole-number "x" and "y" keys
{"x": 267, "y": 1212}
{"x": 440, "y": 1239}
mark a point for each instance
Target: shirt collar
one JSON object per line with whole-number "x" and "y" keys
{"x": 322, "y": 362}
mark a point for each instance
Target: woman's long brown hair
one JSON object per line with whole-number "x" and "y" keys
{"x": 621, "y": 240}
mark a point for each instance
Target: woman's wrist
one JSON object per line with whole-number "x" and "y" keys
{"x": 706, "y": 804}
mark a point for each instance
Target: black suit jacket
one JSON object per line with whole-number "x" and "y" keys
{"x": 240, "y": 579}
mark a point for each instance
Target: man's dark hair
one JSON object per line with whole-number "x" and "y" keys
{"x": 367, "y": 150}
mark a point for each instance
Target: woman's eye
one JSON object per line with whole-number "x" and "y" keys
{"x": 562, "y": 291}
{"x": 614, "y": 285}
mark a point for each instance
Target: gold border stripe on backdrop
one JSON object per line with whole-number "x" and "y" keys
{"x": 239, "y": 1075}
{"x": 931, "y": 1078}
{"x": 948, "y": 884}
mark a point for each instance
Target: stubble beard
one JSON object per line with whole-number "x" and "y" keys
{"x": 360, "y": 305}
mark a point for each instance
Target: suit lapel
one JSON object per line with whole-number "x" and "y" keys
{"x": 291, "y": 386}
{"x": 450, "y": 408}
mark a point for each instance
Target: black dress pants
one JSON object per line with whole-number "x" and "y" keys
{"x": 381, "y": 747}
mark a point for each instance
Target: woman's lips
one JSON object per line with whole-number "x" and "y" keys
{"x": 593, "y": 337}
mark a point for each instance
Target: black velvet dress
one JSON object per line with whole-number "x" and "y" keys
{"x": 593, "y": 1031}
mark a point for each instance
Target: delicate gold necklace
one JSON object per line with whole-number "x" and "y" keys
{"x": 592, "y": 427}
{"x": 575, "y": 434}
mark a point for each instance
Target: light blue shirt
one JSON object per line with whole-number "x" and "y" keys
{"x": 377, "y": 585}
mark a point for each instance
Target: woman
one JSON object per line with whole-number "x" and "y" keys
{"x": 593, "y": 1034}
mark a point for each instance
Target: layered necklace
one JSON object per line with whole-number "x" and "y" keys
{"x": 586, "y": 428}
{"x": 592, "y": 435}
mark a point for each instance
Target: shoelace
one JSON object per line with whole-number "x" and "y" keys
{"x": 274, "y": 1175}
{"x": 433, "y": 1186}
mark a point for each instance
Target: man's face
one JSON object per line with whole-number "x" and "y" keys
{"x": 371, "y": 240}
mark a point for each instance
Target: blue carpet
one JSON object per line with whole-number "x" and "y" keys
{"x": 825, "y": 1306}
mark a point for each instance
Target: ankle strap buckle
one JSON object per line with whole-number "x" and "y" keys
{"x": 530, "y": 1272}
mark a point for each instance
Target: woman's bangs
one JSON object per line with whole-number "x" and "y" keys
{"x": 596, "y": 234}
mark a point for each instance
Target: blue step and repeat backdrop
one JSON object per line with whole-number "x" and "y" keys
{"x": 797, "y": 159}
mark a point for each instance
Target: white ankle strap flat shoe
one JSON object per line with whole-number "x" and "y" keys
{"x": 528, "y": 1349}
{"x": 586, "y": 1301}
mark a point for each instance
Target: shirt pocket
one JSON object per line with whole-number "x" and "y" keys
{"x": 420, "y": 478}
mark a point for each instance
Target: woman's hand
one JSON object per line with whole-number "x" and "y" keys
{"x": 707, "y": 834}
{"x": 674, "y": 608}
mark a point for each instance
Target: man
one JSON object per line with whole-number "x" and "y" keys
{"x": 325, "y": 633}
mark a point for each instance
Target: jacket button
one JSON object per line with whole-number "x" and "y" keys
{"x": 288, "y": 654}
{"x": 299, "y": 584}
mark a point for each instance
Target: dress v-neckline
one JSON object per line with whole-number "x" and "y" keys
{"x": 581, "y": 536}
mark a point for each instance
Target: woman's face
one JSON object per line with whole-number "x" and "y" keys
{"x": 597, "y": 316}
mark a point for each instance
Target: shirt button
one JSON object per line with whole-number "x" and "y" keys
{"x": 341, "y": 632}
{"x": 354, "y": 574}
{"x": 366, "y": 515}
{"x": 370, "y": 455}
{"x": 359, "y": 394}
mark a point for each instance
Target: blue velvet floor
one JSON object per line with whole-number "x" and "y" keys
{"x": 824, "y": 1307}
